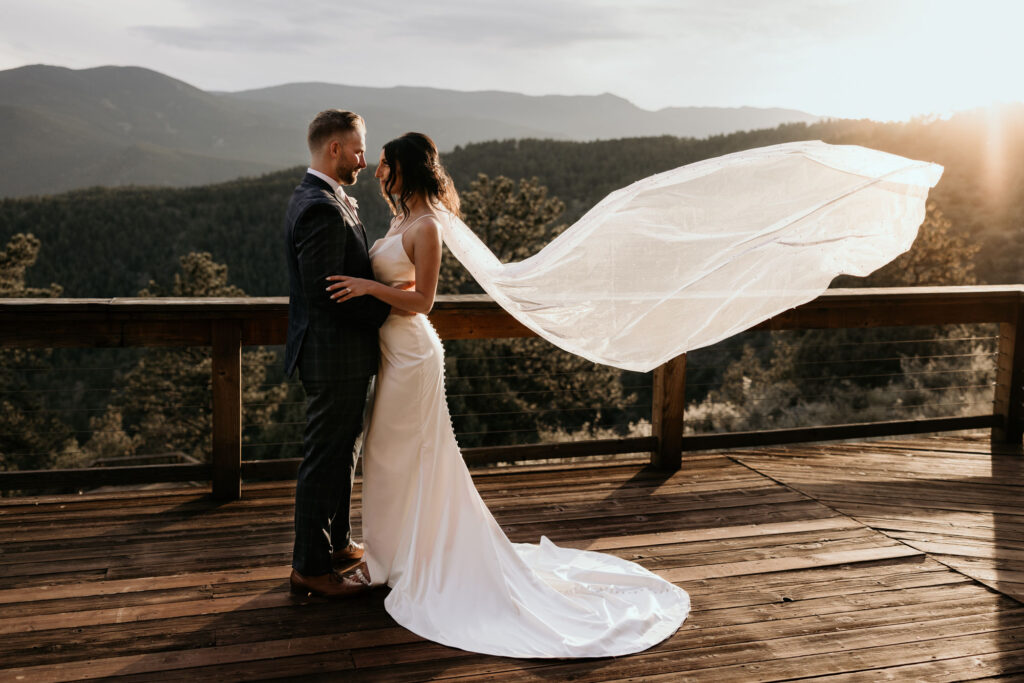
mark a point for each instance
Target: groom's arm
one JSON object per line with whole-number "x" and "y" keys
{"x": 321, "y": 238}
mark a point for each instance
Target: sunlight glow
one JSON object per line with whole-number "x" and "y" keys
{"x": 995, "y": 155}
{"x": 941, "y": 57}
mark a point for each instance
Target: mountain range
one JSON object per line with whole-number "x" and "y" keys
{"x": 63, "y": 129}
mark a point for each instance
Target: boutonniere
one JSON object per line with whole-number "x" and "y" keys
{"x": 352, "y": 202}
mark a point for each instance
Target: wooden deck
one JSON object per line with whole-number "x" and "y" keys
{"x": 898, "y": 560}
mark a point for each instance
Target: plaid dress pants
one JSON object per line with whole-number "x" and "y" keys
{"x": 323, "y": 494}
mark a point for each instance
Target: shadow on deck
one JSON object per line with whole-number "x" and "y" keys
{"x": 877, "y": 560}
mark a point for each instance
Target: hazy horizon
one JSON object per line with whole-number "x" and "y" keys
{"x": 885, "y": 60}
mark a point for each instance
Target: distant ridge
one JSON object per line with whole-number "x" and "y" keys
{"x": 63, "y": 129}
{"x": 514, "y": 115}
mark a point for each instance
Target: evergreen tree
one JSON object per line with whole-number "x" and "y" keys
{"x": 31, "y": 437}
{"x": 21, "y": 253}
{"x": 513, "y": 220}
{"x": 166, "y": 400}
{"x": 941, "y": 255}
{"x": 508, "y": 390}
{"x": 110, "y": 242}
{"x": 108, "y": 441}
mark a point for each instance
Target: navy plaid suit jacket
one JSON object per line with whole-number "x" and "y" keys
{"x": 328, "y": 340}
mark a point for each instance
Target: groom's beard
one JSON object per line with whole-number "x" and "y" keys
{"x": 347, "y": 174}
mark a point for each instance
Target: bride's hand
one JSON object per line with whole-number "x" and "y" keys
{"x": 345, "y": 287}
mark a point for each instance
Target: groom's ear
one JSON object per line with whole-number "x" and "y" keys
{"x": 335, "y": 147}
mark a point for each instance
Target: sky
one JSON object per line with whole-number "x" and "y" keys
{"x": 881, "y": 59}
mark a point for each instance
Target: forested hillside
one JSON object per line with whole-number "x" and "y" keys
{"x": 65, "y": 129}
{"x": 79, "y": 407}
{"x": 105, "y": 242}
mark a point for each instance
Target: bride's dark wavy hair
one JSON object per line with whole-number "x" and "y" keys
{"x": 414, "y": 157}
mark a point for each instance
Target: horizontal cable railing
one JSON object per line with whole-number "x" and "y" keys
{"x": 905, "y": 361}
{"x": 790, "y": 379}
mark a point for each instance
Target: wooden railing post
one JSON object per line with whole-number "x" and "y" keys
{"x": 667, "y": 413}
{"x": 1008, "y": 405}
{"x": 227, "y": 409}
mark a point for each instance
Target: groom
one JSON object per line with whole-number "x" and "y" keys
{"x": 334, "y": 346}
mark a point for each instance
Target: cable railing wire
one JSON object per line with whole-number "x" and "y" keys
{"x": 482, "y": 402}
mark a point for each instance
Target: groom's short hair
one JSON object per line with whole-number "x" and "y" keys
{"x": 331, "y": 122}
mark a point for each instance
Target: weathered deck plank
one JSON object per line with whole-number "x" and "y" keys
{"x": 860, "y": 561}
{"x": 953, "y": 498}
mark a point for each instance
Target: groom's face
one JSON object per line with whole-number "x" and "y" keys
{"x": 348, "y": 155}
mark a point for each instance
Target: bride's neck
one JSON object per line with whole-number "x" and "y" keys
{"x": 418, "y": 204}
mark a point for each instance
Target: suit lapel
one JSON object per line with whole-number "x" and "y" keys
{"x": 346, "y": 210}
{"x": 358, "y": 223}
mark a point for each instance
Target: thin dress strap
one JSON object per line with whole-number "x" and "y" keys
{"x": 414, "y": 222}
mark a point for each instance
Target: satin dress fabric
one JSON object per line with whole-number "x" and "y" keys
{"x": 455, "y": 577}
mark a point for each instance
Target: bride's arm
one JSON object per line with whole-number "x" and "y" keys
{"x": 426, "y": 257}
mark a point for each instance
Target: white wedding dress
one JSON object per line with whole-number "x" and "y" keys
{"x": 455, "y": 577}
{"x": 671, "y": 263}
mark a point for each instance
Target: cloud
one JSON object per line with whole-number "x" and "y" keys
{"x": 246, "y": 36}
{"x": 525, "y": 24}
{"x": 835, "y": 57}
{"x": 408, "y": 25}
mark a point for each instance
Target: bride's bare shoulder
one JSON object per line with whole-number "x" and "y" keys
{"x": 428, "y": 227}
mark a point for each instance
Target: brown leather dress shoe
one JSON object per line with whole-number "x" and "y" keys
{"x": 347, "y": 557}
{"x": 331, "y": 585}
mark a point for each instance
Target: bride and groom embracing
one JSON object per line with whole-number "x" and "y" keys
{"x": 357, "y": 310}
{"x": 673, "y": 262}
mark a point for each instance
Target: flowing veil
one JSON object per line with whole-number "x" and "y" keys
{"x": 691, "y": 256}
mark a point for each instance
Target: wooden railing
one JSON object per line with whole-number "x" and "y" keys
{"x": 228, "y": 325}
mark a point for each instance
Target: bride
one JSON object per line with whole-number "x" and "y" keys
{"x": 673, "y": 262}
{"x": 454, "y": 576}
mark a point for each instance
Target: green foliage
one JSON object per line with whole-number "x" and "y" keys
{"x": 941, "y": 255}
{"x": 514, "y": 221}
{"x": 508, "y": 390}
{"x": 162, "y": 404}
{"x": 200, "y": 276}
{"x": 949, "y": 372}
{"x": 108, "y": 441}
{"x": 21, "y": 253}
{"x": 30, "y": 437}
{"x": 114, "y": 242}
{"x": 166, "y": 400}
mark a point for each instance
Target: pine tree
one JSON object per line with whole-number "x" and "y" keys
{"x": 31, "y": 437}
{"x": 941, "y": 255}
{"x": 508, "y": 390}
{"x": 166, "y": 401}
{"x": 513, "y": 220}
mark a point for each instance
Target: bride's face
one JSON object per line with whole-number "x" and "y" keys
{"x": 384, "y": 172}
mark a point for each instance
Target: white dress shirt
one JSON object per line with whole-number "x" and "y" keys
{"x": 336, "y": 186}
